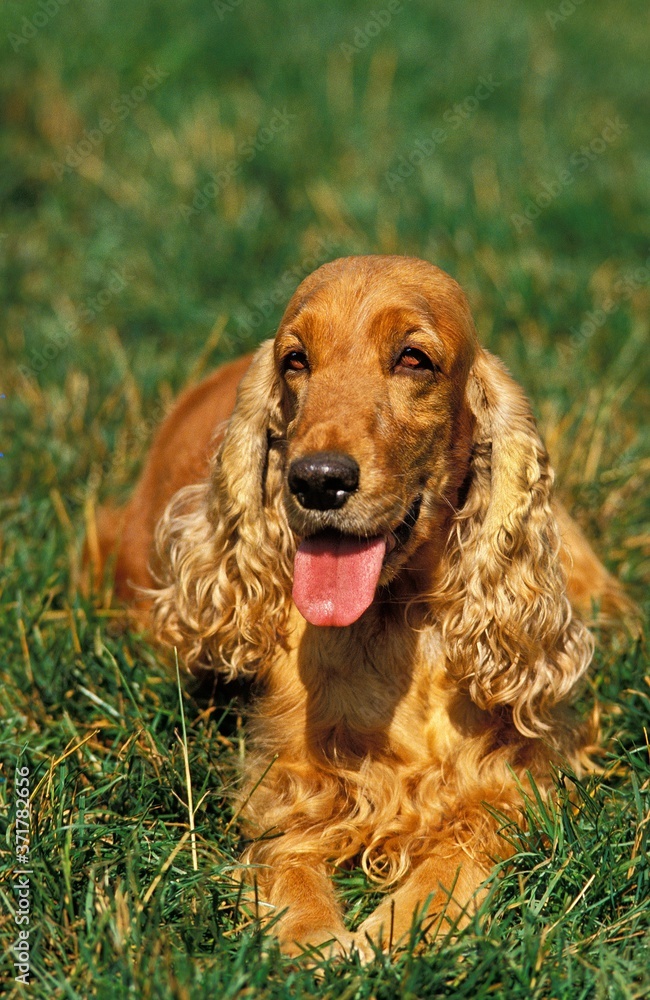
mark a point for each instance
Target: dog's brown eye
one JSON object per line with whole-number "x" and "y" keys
{"x": 296, "y": 361}
{"x": 413, "y": 359}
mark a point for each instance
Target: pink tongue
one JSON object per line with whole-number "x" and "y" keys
{"x": 335, "y": 578}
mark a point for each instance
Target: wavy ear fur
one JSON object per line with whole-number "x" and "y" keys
{"x": 225, "y": 546}
{"x": 508, "y": 626}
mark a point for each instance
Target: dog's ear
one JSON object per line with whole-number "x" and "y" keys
{"x": 225, "y": 546}
{"x": 509, "y": 630}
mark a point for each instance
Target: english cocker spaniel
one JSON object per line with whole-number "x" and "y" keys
{"x": 360, "y": 516}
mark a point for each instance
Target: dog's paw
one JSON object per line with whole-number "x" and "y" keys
{"x": 321, "y": 945}
{"x": 366, "y": 949}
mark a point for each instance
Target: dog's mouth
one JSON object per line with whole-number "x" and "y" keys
{"x": 336, "y": 575}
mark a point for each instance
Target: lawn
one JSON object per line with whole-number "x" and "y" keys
{"x": 170, "y": 171}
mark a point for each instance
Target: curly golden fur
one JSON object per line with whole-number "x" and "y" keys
{"x": 393, "y": 738}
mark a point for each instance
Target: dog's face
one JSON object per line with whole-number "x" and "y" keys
{"x": 373, "y": 355}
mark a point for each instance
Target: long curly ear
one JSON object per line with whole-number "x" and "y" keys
{"x": 225, "y": 547}
{"x": 508, "y": 626}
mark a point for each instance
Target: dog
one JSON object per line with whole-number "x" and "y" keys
{"x": 360, "y": 517}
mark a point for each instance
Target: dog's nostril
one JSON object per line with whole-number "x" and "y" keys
{"x": 323, "y": 480}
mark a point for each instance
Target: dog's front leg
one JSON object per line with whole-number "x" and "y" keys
{"x": 441, "y": 893}
{"x": 310, "y": 917}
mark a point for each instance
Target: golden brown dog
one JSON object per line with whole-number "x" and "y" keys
{"x": 372, "y": 536}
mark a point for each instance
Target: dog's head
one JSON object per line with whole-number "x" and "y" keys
{"x": 373, "y": 428}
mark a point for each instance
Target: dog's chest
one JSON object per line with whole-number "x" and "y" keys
{"x": 373, "y": 700}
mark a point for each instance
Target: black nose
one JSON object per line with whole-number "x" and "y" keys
{"x": 323, "y": 480}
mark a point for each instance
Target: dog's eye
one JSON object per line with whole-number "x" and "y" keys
{"x": 413, "y": 359}
{"x": 295, "y": 361}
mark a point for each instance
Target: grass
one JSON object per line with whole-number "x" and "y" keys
{"x": 113, "y": 296}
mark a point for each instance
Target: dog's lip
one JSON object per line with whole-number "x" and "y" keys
{"x": 396, "y": 538}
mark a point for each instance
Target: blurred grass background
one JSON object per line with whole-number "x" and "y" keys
{"x": 131, "y": 263}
